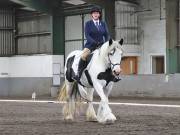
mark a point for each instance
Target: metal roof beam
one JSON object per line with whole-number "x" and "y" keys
{"x": 131, "y": 1}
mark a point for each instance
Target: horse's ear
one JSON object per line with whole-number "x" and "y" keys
{"x": 121, "y": 41}
{"x": 110, "y": 41}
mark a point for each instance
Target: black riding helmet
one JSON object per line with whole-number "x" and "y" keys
{"x": 96, "y": 9}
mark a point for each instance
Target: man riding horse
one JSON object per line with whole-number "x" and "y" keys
{"x": 96, "y": 33}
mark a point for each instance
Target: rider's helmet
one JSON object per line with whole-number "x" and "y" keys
{"x": 96, "y": 9}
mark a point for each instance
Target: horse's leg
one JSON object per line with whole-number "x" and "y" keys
{"x": 69, "y": 107}
{"x": 104, "y": 114}
{"x": 90, "y": 113}
{"x": 107, "y": 91}
{"x": 108, "y": 88}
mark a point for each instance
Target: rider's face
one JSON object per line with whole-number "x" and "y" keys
{"x": 95, "y": 15}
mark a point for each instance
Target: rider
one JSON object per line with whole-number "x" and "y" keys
{"x": 96, "y": 33}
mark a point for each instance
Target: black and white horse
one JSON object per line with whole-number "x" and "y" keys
{"x": 103, "y": 69}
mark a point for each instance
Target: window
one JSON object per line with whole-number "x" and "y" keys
{"x": 158, "y": 64}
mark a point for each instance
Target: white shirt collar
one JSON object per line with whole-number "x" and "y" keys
{"x": 96, "y": 21}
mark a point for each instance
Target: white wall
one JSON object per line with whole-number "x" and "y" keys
{"x": 148, "y": 86}
{"x": 20, "y": 76}
{"x": 152, "y": 34}
{"x": 59, "y": 59}
{"x": 4, "y": 67}
{"x": 30, "y": 66}
{"x": 131, "y": 50}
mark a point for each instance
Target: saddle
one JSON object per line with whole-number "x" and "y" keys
{"x": 89, "y": 58}
{"x": 92, "y": 52}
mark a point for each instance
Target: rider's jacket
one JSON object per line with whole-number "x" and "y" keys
{"x": 95, "y": 35}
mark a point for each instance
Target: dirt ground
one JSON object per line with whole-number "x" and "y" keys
{"x": 46, "y": 119}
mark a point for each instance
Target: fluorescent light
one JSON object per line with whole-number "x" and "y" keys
{"x": 28, "y": 8}
{"x": 18, "y": 2}
{"x": 75, "y": 2}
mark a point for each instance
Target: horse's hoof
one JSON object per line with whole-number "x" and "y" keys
{"x": 69, "y": 119}
{"x": 109, "y": 119}
{"x": 108, "y": 122}
{"x": 92, "y": 119}
{"x": 113, "y": 118}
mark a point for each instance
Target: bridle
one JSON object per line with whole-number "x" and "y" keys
{"x": 112, "y": 65}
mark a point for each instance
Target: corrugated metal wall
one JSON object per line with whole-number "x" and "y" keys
{"x": 73, "y": 33}
{"x": 126, "y": 22}
{"x": 179, "y": 26}
{"x": 74, "y": 26}
{"x": 33, "y": 33}
{"x": 7, "y": 31}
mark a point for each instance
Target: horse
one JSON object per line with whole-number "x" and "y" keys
{"x": 103, "y": 69}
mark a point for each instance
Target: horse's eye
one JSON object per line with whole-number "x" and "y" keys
{"x": 112, "y": 52}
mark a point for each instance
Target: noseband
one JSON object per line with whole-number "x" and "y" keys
{"x": 112, "y": 64}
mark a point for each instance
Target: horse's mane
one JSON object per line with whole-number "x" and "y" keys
{"x": 103, "y": 50}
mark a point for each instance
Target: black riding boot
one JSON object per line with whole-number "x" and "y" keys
{"x": 81, "y": 66}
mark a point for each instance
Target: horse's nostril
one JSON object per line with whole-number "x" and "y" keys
{"x": 116, "y": 73}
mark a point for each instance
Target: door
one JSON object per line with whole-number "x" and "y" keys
{"x": 129, "y": 65}
{"x": 158, "y": 64}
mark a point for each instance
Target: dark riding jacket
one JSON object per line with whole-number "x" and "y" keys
{"x": 95, "y": 36}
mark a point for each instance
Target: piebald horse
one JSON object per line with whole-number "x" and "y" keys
{"x": 103, "y": 69}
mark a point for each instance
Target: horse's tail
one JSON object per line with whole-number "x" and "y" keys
{"x": 75, "y": 93}
{"x": 62, "y": 93}
{"x": 72, "y": 106}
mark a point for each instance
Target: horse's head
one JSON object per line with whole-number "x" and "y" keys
{"x": 114, "y": 55}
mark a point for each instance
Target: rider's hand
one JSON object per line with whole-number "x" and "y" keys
{"x": 98, "y": 43}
